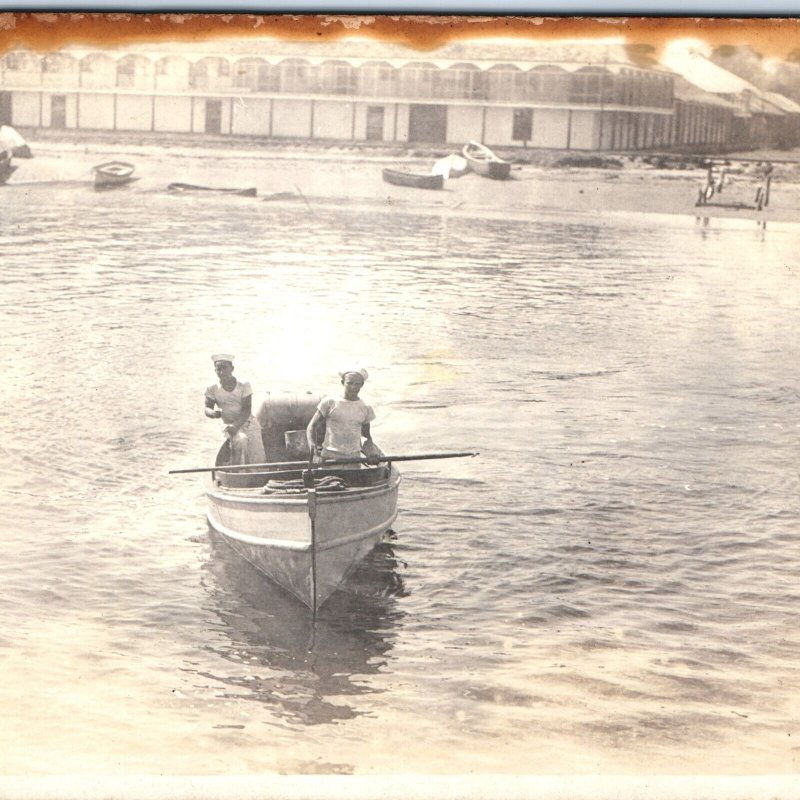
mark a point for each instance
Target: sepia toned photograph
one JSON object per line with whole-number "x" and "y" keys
{"x": 400, "y": 396}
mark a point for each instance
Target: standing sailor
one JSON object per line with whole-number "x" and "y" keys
{"x": 346, "y": 420}
{"x": 232, "y": 401}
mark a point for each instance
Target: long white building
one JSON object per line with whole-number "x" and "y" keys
{"x": 562, "y": 96}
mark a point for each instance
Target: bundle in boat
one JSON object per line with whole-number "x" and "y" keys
{"x": 484, "y": 162}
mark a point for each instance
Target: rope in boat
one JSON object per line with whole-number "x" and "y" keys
{"x": 330, "y": 483}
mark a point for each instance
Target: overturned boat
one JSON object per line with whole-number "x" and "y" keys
{"x": 11, "y": 141}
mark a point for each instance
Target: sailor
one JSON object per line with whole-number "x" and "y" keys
{"x": 232, "y": 400}
{"x": 346, "y": 420}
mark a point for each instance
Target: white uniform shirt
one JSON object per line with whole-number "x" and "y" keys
{"x": 230, "y": 403}
{"x": 343, "y": 421}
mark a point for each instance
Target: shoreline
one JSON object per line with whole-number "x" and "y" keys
{"x": 288, "y": 172}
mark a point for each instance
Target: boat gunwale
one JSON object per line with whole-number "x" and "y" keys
{"x": 254, "y": 496}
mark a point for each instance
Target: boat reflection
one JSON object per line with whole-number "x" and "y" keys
{"x": 278, "y": 656}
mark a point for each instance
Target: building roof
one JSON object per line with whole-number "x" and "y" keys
{"x": 483, "y": 55}
{"x": 783, "y": 103}
{"x": 689, "y": 93}
{"x": 710, "y": 77}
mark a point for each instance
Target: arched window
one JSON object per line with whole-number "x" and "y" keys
{"x": 549, "y": 83}
{"x": 337, "y": 77}
{"x": 377, "y": 79}
{"x": 98, "y": 71}
{"x": 22, "y": 61}
{"x": 135, "y": 72}
{"x": 463, "y": 81}
{"x": 502, "y": 81}
{"x": 62, "y": 63}
{"x": 210, "y": 73}
{"x": 173, "y": 72}
{"x": 416, "y": 79}
{"x": 297, "y": 76}
{"x": 586, "y": 85}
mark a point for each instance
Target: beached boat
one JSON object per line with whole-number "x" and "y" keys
{"x": 11, "y": 141}
{"x": 417, "y": 180}
{"x": 191, "y": 187}
{"x": 483, "y": 161}
{"x": 112, "y": 174}
{"x": 6, "y": 167}
{"x": 452, "y": 166}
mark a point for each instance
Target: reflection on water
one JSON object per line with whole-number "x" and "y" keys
{"x": 289, "y": 662}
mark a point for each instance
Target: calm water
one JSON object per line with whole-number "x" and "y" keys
{"x": 611, "y": 586}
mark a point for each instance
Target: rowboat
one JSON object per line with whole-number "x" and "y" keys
{"x": 306, "y": 530}
{"x": 112, "y": 174}
{"x": 191, "y": 187}
{"x": 417, "y": 180}
{"x": 483, "y": 161}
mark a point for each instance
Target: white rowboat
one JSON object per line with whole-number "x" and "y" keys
{"x": 305, "y": 535}
{"x": 307, "y": 541}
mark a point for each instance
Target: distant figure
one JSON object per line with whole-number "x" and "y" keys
{"x": 346, "y": 420}
{"x": 232, "y": 401}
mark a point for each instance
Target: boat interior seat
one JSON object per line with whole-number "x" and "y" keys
{"x": 283, "y": 419}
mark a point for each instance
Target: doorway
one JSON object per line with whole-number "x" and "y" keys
{"x": 375, "y": 123}
{"x": 58, "y": 111}
{"x": 213, "y": 116}
{"x": 427, "y": 123}
{"x": 5, "y": 108}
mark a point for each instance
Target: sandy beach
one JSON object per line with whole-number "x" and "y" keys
{"x": 541, "y": 181}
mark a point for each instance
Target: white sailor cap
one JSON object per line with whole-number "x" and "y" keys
{"x": 222, "y": 357}
{"x": 356, "y": 371}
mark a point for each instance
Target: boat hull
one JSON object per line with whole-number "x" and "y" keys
{"x": 413, "y": 179}
{"x": 113, "y": 174}
{"x": 496, "y": 170}
{"x": 484, "y": 162}
{"x": 274, "y": 533}
{"x": 251, "y": 191}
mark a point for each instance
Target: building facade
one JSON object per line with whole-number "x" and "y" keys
{"x": 571, "y": 97}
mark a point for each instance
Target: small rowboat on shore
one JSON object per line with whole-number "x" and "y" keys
{"x": 191, "y": 187}
{"x": 416, "y": 180}
{"x": 483, "y": 161}
{"x": 112, "y": 174}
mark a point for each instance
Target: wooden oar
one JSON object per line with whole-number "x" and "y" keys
{"x": 325, "y": 465}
